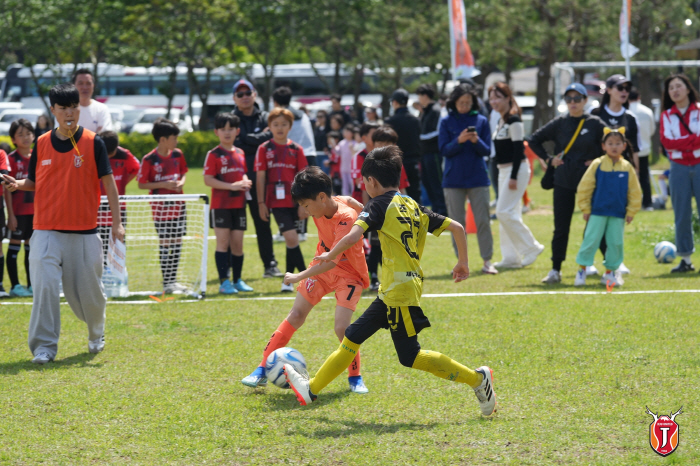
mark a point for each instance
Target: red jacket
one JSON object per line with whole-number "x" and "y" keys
{"x": 683, "y": 147}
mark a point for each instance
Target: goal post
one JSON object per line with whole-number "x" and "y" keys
{"x": 166, "y": 244}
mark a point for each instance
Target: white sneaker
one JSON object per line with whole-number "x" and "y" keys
{"x": 485, "y": 393}
{"x": 175, "y": 288}
{"x": 96, "y": 346}
{"x": 278, "y": 238}
{"x": 554, "y": 276}
{"x": 526, "y": 208}
{"x": 612, "y": 279}
{"x": 42, "y": 358}
{"x": 623, "y": 269}
{"x": 303, "y": 237}
{"x": 299, "y": 382}
{"x": 489, "y": 269}
{"x": 580, "y": 279}
{"x": 287, "y": 288}
{"x": 532, "y": 257}
{"x": 591, "y": 270}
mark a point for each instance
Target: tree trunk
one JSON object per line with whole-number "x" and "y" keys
{"x": 543, "y": 111}
{"x": 358, "y": 78}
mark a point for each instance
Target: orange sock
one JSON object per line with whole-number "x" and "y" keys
{"x": 279, "y": 339}
{"x": 526, "y": 198}
{"x": 354, "y": 367}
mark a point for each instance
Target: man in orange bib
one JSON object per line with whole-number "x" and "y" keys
{"x": 65, "y": 170}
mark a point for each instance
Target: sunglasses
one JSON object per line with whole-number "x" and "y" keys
{"x": 623, "y": 88}
{"x": 242, "y": 94}
{"x": 568, "y": 99}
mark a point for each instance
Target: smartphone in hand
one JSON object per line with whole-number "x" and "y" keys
{"x": 471, "y": 129}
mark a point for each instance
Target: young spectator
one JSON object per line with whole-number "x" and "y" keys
{"x": 519, "y": 247}
{"x": 163, "y": 171}
{"x": 366, "y": 131}
{"x": 276, "y": 163}
{"x": 347, "y": 276}
{"x": 337, "y": 109}
{"x": 408, "y": 129}
{"x": 321, "y": 130}
{"x": 65, "y": 244}
{"x": 125, "y": 167}
{"x": 465, "y": 139}
{"x": 647, "y": 129}
{"x": 20, "y": 206}
{"x": 225, "y": 173}
{"x": 336, "y": 122}
{"x": 333, "y": 162}
{"x": 608, "y": 195}
{"x": 397, "y": 307}
{"x": 345, "y": 151}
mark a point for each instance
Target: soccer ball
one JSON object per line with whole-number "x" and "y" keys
{"x": 274, "y": 365}
{"x": 665, "y": 252}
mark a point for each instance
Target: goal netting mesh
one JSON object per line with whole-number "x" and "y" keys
{"x": 166, "y": 244}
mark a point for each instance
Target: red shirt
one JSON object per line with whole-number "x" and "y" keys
{"x": 124, "y": 164}
{"x": 22, "y": 201}
{"x": 227, "y": 166}
{"x": 3, "y": 161}
{"x": 281, "y": 164}
{"x": 356, "y": 172}
{"x": 154, "y": 168}
{"x": 334, "y": 163}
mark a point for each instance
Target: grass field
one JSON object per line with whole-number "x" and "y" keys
{"x": 573, "y": 372}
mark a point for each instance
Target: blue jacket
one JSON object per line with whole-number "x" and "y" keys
{"x": 464, "y": 163}
{"x": 610, "y": 190}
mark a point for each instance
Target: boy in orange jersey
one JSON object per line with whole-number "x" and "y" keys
{"x": 347, "y": 275}
{"x": 65, "y": 244}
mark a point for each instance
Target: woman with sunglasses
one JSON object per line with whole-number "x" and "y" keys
{"x": 614, "y": 112}
{"x": 680, "y": 136}
{"x": 581, "y": 133}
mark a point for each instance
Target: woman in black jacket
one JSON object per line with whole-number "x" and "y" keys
{"x": 569, "y": 167}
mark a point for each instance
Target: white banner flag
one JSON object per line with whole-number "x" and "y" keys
{"x": 628, "y": 50}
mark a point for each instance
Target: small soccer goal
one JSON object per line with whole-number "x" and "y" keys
{"x": 166, "y": 244}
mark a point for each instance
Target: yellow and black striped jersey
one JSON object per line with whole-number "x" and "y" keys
{"x": 402, "y": 225}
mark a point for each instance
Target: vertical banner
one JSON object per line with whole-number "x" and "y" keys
{"x": 628, "y": 50}
{"x": 462, "y": 58}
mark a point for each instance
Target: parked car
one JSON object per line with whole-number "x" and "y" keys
{"x": 117, "y": 115}
{"x": 8, "y": 116}
{"x": 144, "y": 123}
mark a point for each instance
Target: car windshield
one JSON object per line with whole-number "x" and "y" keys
{"x": 131, "y": 115}
{"x": 10, "y": 117}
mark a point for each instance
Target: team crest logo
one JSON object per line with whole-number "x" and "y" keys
{"x": 664, "y": 433}
{"x": 77, "y": 160}
{"x": 224, "y": 161}
{"x": 270, "y": 154}
{"x": 310, "y": 283}
{"x": 158, "y": 168}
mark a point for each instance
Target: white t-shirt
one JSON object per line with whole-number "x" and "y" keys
{"x": 95, "y": 117}
{"x": 647, "y": 126}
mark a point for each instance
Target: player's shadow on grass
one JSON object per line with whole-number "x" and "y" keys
{"x": 345, "y": 428}
{"x": 77, "y": 361}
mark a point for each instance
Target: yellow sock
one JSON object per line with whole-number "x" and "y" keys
{"x": 446, "y": 368}
{"x": 334, "y": 365}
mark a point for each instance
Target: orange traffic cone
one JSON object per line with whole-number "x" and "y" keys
{"x": 470, "y": 224}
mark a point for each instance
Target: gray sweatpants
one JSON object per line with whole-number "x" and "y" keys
{"x": 77, "y": 261}
{"x": 456, "y": 199}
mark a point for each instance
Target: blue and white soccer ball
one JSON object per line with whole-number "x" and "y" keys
{"x": 274, "y": 365}
{"x": 665, "y": 252}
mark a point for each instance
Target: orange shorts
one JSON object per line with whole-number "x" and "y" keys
{"x": 347, "y": 291}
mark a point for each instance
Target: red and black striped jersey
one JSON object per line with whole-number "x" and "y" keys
{"x": 229, "y": 167}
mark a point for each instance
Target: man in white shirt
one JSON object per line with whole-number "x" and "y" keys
{"x": 93, "y": 114}
{"x": 647, "y": 128}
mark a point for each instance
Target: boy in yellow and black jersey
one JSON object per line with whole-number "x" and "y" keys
{"x": 402, "y": 225}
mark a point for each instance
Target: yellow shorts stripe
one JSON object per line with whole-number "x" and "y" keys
{"x": 407, "y": 321}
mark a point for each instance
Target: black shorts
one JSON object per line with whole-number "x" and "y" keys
{"x": 173, "y": 228}
{"x": 3, "y": 222}
{"x": 232, "y": 219}
{"x": 404, "y": 322}
{"x": 25, "y": 228}
{"x": 286, "y": 218}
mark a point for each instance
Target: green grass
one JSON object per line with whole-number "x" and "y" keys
{"x": 574, "y": 373}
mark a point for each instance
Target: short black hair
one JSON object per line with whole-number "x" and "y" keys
{"x": 282, "y": 96}
{"x": 21, "y": 123}
{"x": 384, "y": 165}
{"x": 634, "y": 94}
{"x": 222, "y": 118}
{"x": 349, "y": 127}
{"x": 367, "y": 127}
{"x": 163, "y": 128}
{"x": 426, "y": 89}
{"x": 334, "y": 135}
{"x": 385, "y": 134}
{"x": 336, "y": 97}
{"x": 111, "y": 140}
{"x": 5, "y": 146}
{"x": 309, "y": 183}
{"x": 81, "y": 71}
{"x": 65, "y": 95}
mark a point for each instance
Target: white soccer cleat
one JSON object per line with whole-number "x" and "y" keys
{"x": 554, "y": 276}
{"x": 580, "y": 279}
{"x": 485, "y": 393}
{"x": 300, "y": 384}
{"x": 287, "y": 288}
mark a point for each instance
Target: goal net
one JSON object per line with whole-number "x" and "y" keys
{"x": 166, "y": 244}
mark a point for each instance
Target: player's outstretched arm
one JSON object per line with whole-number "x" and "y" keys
{"x": 461, "y": 270}
{"x": 13, "y": 185}
{"x": 318, "y": 269}
{"x": 343, "y": 245}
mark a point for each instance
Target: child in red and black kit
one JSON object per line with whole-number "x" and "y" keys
{"x": 276, "y": 163}
{"x": 163, "y": 171}
{"x": 333, "y": 162}
{"x": 20, "y": 206}
{"x": 125, "y": 167}
{"x": 225, "y": 172}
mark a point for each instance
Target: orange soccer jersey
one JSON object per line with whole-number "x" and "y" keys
{"x": 351, "y": 264}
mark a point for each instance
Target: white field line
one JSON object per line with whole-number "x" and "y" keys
{"x": 425, "y": 296}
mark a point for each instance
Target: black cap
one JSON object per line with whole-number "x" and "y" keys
{"x": 616, "y": 79}
{"x": 400, "y": 96}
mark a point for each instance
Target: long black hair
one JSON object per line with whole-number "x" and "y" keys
{"x": 692, "y": 94}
